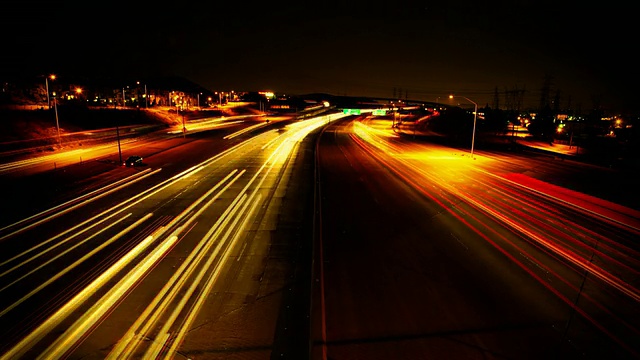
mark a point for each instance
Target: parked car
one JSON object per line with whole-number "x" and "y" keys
{"x": 133, "y": 160}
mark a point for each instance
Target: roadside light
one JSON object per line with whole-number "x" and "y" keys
{"x": 46, "y": 84}
{"x": 475, "y": 117}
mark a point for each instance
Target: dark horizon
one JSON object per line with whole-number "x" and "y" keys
{"x": 408, "y": 49}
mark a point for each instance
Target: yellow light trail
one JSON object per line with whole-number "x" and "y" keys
{"x": 54, "y": 320}
{"x": 573, "y": 244}
{"x": 186, "y": 326}
{"x": 85, "y": 323}
{"x": 67, "y": 269}
{"x": 79, "y": 201}
{"x": 245, "y": 130}
{"x": 222, "y": 242}
{"x": 130, "y": 341}
{"x": 102, "y": 306}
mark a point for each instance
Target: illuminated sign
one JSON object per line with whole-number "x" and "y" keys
{"x": 351, "y": 111}
{"x": 379, "y": 112}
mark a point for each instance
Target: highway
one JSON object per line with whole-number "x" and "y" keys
{"x": 426, "y": 253}
{"x": 163, "y": 261}
{"x": 328, "y": 238}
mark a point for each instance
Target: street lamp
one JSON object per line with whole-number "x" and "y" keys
{"x": 475, "y": 117}
{"x": 46, "y": 85}
{"x": 118, "y": 137}
{"x": 55, "y": 107}
{"x": 146, "y": 103}
{"x": 124, "y": 99}
{"x": 184, "y": 128}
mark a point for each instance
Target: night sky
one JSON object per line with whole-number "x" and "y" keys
{"x": 418, "y": 50}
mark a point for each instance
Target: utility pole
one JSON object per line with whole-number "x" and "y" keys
{"x": 55, "y": 106}
{"x": 46, "y": 83}
{"x": 118, "y": 137}
{"x": 184, "y": 128}
{"x": 475, "y": 118}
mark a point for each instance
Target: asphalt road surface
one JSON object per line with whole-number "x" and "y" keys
{"x": 425, "y": 253}
{"x": 320, "y": 239}
{"x": 199, "y": 253}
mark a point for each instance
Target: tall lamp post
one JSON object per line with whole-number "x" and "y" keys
{"x": 55, "y": 107}
{"x": 46, "y": 84}
{"x": 184, "y": 128}
{"x": 475, "y": 117}
{"x": 146, "y": 103}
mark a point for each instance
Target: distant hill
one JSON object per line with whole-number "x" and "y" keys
{"x": 21, "y": 125}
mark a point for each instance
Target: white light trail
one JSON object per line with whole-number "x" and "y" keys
{"x": 65, "y": 270}
{"x": 59, "y": 316}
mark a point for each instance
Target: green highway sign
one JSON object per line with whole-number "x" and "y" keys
{"x": 351, "y": 111}
{"x": 379, "y": 112}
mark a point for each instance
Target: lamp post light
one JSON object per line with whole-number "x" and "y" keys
{"x": 475, "y": 117}
{"x": 46, "y": 84}
{"x": 146, "y": 103}
{"x": 55, "y": 107}
{"x": 118, "y": 137}
{"x": 184, "y": 128}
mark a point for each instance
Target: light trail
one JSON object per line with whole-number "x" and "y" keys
{"x": 246, "y": 130}
{"x": 131, "y": 201}
{"x": 186, "y": 326}
{"x": 76, "y": 203}
{"x": 113, "y": 296}
{"x": 130, "y": 341}
{"x": 605, "y": 276}
{"x": 52, "y": 321}
{"x": 203, "y": 266}
{"x": 140, "y": 330}
{"x": 524, "y": 215}
{"x": 205, "y": 126}
{"x": 67, "y": 269}
{"x": 456, "y": 211}
{"x": 33, "y": 337}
